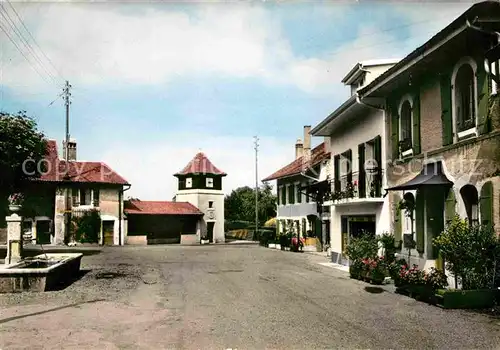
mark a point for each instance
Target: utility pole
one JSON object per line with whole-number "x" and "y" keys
{"x": 256, "y": 144}
{"x": 67, "y": 217}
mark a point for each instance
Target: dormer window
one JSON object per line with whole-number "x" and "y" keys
{"x": 189, "y": 182}
{"x": 210, "y": 182}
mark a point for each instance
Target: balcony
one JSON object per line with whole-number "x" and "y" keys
{"x": 357, "y": 188}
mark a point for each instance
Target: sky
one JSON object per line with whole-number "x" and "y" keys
{"x": 155, "y": 83}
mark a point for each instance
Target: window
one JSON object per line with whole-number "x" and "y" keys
{"x": 210, "y": 182}
{"x": 464, "y": 99}
{"x": 189, "y": 182}
{"x": 471, "y": 200}
{"x": 405, "y": 127}
{"x": 85, "y": 196}
{"x": 210, "y": 204}
{"x": 283, "y": 195}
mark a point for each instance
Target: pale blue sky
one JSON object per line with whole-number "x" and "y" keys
{"x": 154, "y": 83}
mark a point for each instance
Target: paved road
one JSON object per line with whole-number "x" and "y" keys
{"x": 220, "y": 297}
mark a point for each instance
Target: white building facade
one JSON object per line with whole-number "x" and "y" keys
{"x": 358, "y": 142}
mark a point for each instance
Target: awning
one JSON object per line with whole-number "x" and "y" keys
{"x": 321, "y": 186}
{"x": 431, "y": 175}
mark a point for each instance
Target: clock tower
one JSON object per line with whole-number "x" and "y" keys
{"x": 200, "y": 183}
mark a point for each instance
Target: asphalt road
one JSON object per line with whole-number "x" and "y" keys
{"x": 221, "y": 297}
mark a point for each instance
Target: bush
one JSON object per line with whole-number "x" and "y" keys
{"x": 365, "y": 246}
{"x": 469, "y": 252}
{"x": 389, "y": 244}
{"x": 86, "y": 228}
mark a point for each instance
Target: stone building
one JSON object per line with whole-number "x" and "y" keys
{"x": 441, "y": 108}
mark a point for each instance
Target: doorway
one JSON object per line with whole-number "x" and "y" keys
{"x": 43, "y": 232}
{"x": 210, "y": 231}
{"x": 108, "y": 228}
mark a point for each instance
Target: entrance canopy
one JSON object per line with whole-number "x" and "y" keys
{"x": 431, "y": 175}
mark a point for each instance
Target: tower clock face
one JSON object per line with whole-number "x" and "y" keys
{"x": 211, "y": 214}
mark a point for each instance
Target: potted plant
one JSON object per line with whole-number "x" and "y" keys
{"x": 377, "y": 270}
{"x": 356, "y": 268}
{"x": 15, "y": 202}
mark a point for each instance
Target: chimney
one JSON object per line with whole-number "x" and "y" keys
{"x": 307, "y": 141}
{"x": 71, "y": 150}
{"x": 299, "y": 149}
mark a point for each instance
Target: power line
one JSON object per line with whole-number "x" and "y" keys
{"x": 22, "y": 53}
{"x": 32, "y": 38}
{"x": 12, "y": 25}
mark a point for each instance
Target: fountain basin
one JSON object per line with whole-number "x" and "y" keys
{"x": 40, "y": 273}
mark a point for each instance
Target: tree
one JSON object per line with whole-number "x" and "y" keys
{"x": 240, "y": 204}
{"x": 19, "y": 141}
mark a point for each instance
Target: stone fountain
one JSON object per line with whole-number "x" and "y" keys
{"x": 40, "y": 273}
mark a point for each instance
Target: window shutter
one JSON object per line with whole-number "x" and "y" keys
{"x": 486, "y": 204}
{"x": 397, "y": 219}
{"x": 96, "y": 197}
{"x": 307, "y": 194}
{"x": 377, "y": 148}
{"x": 361, "y": 167}
{"x": 450, "y": 207}
{"x": 336, "y": 164}
{"x": 483, "y": 95}
{"x": 348, "y": 155}
{"x": 299, "y": 194}
{"x": 416, "y": 124}
{"x": 283, "y": 195}
{"x": 291, "y": 193}
{"x": 278, "y": 197}
{"x": 446, "y": 115}
{"x": 419, "y": 221}
{"x": 394, "y": 132}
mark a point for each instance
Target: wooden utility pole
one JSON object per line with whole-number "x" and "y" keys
{"x": 67, "y": 216}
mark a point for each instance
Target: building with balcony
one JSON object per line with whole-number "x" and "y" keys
{"x": 443, "y": 123}
{"x": 357, "y": 137}
{"x": 298, "y": 211}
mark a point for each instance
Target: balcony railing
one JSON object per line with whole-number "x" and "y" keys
{"x": 358, "y": 185}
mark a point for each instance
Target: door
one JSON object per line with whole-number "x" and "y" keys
{"x": 210, "y": 231}
{"x": 43, "y": 232}
{"x": 108, "y": 232}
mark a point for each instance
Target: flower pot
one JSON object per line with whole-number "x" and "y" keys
{"x": 14, "y": 208}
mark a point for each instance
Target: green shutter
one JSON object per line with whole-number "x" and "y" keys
{"x": 361, "y": 172}
{"x": 446, "y": 116}
{"x": 486, "y": 204}
{"x": 278, "y": 197}
{"x": 377, "y": 150}
{"x": 483, "y": 96}
{"x": 419, "y": 221}
{"x": 394, "y": 131}
{"x": 416, "y": 124}
{"x": 317, "y": 228}
{"x": 450, "y": 207}
{"x": 299, "y": 193}
{"x": 398, "y": 221}
{"x": 283, "y": 195}
{"x": 307, "y": 194}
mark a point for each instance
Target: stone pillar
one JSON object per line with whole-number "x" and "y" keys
{"x": 323, "y": 234}
{"x": 59, "y": 223}
{"x": 14, "y": 239}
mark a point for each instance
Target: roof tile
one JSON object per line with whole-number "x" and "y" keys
{"x": 160, "y": 208}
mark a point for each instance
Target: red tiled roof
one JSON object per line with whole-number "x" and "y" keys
{"x": 318, "y": 154}
{"x": 200, "y": 164}
{"x": 95, "y": 172}
{"x": 161, "y": 208}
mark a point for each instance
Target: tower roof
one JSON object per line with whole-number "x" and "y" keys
{"x": 200, "y": 164}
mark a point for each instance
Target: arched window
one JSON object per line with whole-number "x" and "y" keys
{"x": 471, "y": 200}
{"x": 405, "y": 125}
{"x": 464, "y": 96}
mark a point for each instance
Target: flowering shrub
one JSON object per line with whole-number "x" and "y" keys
{"x": 435, "y": 279}
{"x": 16, "y": 199}
{"x": 297, "y": 243}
